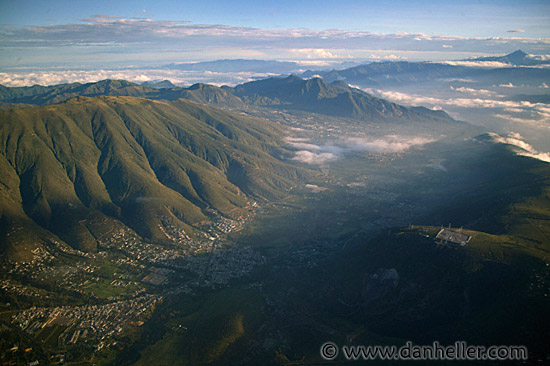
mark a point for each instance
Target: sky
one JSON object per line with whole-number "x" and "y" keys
{"x": 74, "y": 34}
{"x": 467, "y": 18}
{"x": 59, "y": 41}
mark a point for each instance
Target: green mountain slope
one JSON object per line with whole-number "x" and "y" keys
{"x": 292, "y": 93}
{"x": 142, "y": 162}
{"x": 336, "y": 99}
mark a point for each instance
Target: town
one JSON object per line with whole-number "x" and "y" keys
{"x": 120, "y": 285}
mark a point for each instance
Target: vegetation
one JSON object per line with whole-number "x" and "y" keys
{"x": 352, "y": 260}
{"x": 76, "y": 167}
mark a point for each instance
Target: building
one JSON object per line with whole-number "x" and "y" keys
{"x": 448, "y": 236}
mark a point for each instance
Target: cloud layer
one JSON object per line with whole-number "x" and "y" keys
{"x": 536, "y": 114}
{"x": 59, "y": 76}
{"x": 320, "y": 154}
{"x": 108, "y": 39}
{"x": 520, "y": 146}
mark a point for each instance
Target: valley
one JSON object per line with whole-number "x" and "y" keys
{"x": 149, "y": 230}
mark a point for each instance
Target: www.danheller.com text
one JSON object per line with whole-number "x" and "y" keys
{"x": 458, "y": 351}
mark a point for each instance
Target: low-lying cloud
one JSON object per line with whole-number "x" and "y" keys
{"x": 480, "y": 92}
{"x": 538, "y": 113}
{"x": 484, "y": 64}
{"x": 178, "y": 77}
{"x": 520, "y": 146}
{"x": 320, "y": 154}
{"x": 310, "y": 157}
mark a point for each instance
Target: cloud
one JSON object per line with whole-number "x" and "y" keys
{"x": 309, "y": 157}
{"x": 509, "y": 85}
{"x": 60, "y": 76}
{"x": 539, "y": 57}
{"x": 394, "y": 57}
{"x": 418, "y": 100}
{"x": 483, "y": 92}
{"x": 387, "y": 144}
{"x": 320, "y": 154}
{"x": 484, "y": 64}
{"x": 516, "y": 31}
{"x": 536, "y": 114}
{"x": 296, "y": 139}
{"x": 105, "y": 38}
{"x": 318, "y": 53}
{"x": 520, "y": 146}
{"x": 390, "y": 57}
{"x": 305, "y": 146}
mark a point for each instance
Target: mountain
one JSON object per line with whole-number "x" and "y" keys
{"x": 78, "y": 168}
{"x": 292, "y": 93}
{"x": 335, "y": 99}
{"x": 517, "y": 58}
{"x": 41, "y": 95}
{"x": 208, "y": 94}
{"x": 239, "y": 65}
{"x": 390, "y": 74}
{"x": 159, "y": 84}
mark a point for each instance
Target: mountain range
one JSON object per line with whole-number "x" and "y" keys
{"x": 83, "y": 158}
{"x": 404, "y": 73}
{"x": 517, "y": 58}
{"x": 293, "y": 93}
{"x": 139, "y": 161}
{"x": 208, "y": 220}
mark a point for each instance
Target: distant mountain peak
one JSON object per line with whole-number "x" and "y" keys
{"x": 518, "y": 53}
{"x": 337, "y": 99}
{"x": 159, "y": 84}
{"x": 516, "y": 58}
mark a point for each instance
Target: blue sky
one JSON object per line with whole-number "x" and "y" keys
{"x": 109, "y": 34}
{"x": 58, "y": 41}
{"x": 469, "y": 18}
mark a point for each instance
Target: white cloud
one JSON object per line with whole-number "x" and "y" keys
{"x": 485, "y": 64}
{"x": 540, "y": 57}
{"x": 536, "y": 114}
{"x": 483, "y": 92}
{"x": 418, "y": 100}
{"x": 296, "y": 139}
{"x": 394, "y": 57}
{"x": 104, "y": 39}
{"x": 305, "y": 146}
{"x": 56, "y": 76}
{"x": 520, "y": 146}
{"x": 516, "y": 31}
{"x": 387, "y": 144}
{"x": 309, "y": 157}
{"x": 316, "y": 53}
{"x": 509, "y": 85}
{"x": 513, "y": 110}
{"x": 320, "y": 154}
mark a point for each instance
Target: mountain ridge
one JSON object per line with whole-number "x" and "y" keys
{"x": 134, "y": 160}
{"x": 292, "y": 92}
{"x": 337, "y": 99}
{"x": 516, "y": 58}
{"x": 403, "y": 73}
